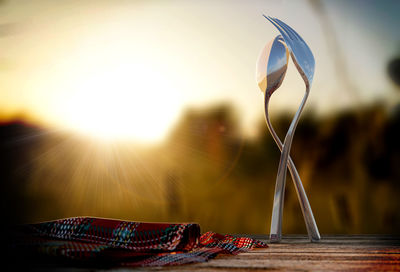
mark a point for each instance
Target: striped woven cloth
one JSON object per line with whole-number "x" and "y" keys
{"x": 99, "y": 241}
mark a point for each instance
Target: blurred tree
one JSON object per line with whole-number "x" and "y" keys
{"x": 18, "y": 142}
{"x": 394, "y": 70}
{"x": 206, "y": 172}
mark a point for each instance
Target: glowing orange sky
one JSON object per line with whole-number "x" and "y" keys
{"x": 131, "y": 67}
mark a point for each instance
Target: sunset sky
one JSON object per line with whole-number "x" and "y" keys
{"x": 130, "y": 68}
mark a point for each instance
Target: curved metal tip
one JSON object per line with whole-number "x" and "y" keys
{"x": 267, "y": 17}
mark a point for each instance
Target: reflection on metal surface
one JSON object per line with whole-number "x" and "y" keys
{"x": 272, "y": 65}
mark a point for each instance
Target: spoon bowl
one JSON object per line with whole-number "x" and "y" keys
{"x": 272, "y": 65}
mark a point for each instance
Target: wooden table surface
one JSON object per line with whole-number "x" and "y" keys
{"x": 295, "y": 253}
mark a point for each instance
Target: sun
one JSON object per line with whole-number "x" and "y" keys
{"x": 112, "y": 81}
{"x": 132, "y": 101}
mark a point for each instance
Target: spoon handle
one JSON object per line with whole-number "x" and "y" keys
{"x": 277, "y": 211}
{"x": 311, "y": 225}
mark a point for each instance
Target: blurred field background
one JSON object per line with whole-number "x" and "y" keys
{"x": 149, "y": 111}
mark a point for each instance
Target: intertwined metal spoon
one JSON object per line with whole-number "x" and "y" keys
{"x": 271, "y": 69}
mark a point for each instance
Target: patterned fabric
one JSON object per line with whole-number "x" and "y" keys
{"x": 123, "y": 243}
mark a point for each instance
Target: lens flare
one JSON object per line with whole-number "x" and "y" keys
{"x": 127, "y": 102}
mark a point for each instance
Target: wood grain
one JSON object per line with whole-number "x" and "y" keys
{"x": 295, "y": 253}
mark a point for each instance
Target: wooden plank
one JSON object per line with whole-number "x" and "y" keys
{"x": 295, "y": 253}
